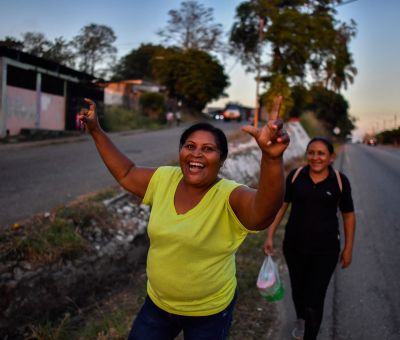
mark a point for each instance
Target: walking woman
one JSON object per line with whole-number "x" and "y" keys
{"x": 311, "y": 243}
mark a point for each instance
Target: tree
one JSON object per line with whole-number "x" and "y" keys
{"x": 35, "y": 43}
{"x": 60, "y": 51}
{"x": 153, "y": 105}
{"x": 301, "y": 35}
{"x": 192, "y": 77}
{"x": 138, "y": 64}
{"x": 301, "y": 98}
{"x": 94, "y": 46}
{"x": 340, "y": 69}
{"x": 13, "y": 43}
{"x": 193, "y": 27}
{"x": 332, "y": 109}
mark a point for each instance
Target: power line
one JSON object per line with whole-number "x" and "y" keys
{"x": 346, "y": 2}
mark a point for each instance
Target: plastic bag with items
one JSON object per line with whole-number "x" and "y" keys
{"x": 269, "y": 283}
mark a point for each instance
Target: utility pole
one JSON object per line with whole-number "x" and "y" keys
{"x": 257, "y": 106}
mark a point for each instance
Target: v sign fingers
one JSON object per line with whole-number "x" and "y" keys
{"x": 89, "y": 117}
{"x": 276, "y": 108}
{"x": 92, "y": 106}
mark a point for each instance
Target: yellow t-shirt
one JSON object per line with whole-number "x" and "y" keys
{"x": 191, "y": 261}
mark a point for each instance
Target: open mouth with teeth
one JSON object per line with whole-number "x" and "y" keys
{"x": 196, "y": 166}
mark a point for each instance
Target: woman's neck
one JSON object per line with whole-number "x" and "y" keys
{"x": 196, "y": 190}
{"x": 319, "y": 176}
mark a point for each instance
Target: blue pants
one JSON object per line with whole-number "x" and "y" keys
{"x": 153, "y": 323}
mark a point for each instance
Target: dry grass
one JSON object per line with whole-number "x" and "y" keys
{"x": 49, "y": 238}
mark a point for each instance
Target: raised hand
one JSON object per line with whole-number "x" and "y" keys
{"x": 88, "y": 116}
{"x": 271, "y": 138}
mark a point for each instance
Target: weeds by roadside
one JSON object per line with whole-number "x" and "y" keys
{"x": 51, "y": 237}
{"x": 119, "y": 119}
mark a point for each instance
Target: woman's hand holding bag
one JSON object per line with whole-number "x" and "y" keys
{"x": 269, "y": 283}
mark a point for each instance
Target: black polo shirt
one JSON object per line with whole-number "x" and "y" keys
{"x": 313, "y": 223}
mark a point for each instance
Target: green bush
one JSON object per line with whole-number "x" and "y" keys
{"x": 120, "y": 119}
{"x": 389, "y": 137}
{"x": 153, "y": 105}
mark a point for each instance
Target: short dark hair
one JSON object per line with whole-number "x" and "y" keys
{"x": 323, "y": 140}
{"x": 219, "y": 135}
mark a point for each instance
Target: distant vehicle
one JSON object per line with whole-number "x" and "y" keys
{"x": 232, "y": 112}
{"x": 218, "y": 115}
{"x": 372, "y": 141}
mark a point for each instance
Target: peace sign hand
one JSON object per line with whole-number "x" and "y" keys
{"x": 271, "y": 138}
{"x": 88, "y": 116}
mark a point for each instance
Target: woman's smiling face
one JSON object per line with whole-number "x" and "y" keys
{"x": 200, "y": 159}
{"x": 318, "y": 156}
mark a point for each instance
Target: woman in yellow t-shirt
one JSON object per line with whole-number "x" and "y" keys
{"x": 197, "y": 222}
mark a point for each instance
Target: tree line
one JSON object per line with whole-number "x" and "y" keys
{"x": 298, "y": 48}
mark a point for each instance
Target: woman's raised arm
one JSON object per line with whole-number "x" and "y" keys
{"x": 256, "y": 209}
{"x": 128, "y": 175}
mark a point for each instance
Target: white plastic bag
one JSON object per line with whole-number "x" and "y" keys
{"x": 269, "y": 283}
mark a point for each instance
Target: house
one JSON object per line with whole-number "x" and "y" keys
{"x": 126, "y": 93}
{"x": 37, "y": 93}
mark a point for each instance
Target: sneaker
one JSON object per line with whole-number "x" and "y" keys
{"x": 298, "y": 331}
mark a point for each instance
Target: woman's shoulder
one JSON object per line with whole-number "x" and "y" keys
{"x": 294, "y": 173}
{"x": 345, "y": 180}
{"x": 168, "y": 170}
{"x": 166, "y": 173}
{"x": 228, "y": 184}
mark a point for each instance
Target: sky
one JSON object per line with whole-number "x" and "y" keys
{"x": 374, "y": 97}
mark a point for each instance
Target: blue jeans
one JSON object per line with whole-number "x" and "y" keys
{"x": 153, "y": 323}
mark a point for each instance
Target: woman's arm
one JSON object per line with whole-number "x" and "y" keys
{"x": 127, "y": 174}
{"x": 349, "y": 224}
{"x": 269, "y": 241}
{"x": 256, "y": 209}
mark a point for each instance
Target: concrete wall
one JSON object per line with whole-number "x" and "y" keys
{"x": 52, "y": 112}
{"x": 22, "y": 110}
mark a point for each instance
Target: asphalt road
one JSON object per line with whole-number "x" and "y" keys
{"x": 38, "y": 177}
{"x": 363, "y": 301}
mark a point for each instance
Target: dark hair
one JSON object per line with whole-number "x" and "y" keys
{"x": 323, "y": 140}
{"x": 219, "y": 135}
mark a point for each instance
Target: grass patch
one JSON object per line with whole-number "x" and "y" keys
{"x": 57, "y": 236}
{"x": 84, "y": 214}
{"x": 44, "y": 243}
{"x": 119, "y": 119}
{"x": 51, "y": 331}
